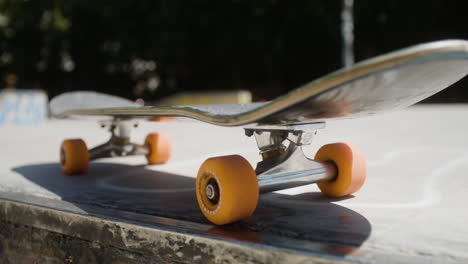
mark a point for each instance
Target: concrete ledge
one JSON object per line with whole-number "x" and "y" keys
{"x": 53, "y": 235}
{"x": 25, "y": 244}
{"x": 411, "y": 210}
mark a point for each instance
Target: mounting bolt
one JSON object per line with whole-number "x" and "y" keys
{"x": 249, "y": 132}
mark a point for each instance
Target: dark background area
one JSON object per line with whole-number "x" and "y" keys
{"x": 168, "y": 46}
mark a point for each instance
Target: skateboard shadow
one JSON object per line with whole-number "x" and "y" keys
{"x": 132, "y": 188}
{"x": 307, "y": 221}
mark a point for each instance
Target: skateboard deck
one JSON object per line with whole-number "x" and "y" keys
{"x": 86, "y": 100}
{"x": 387, "y": 82}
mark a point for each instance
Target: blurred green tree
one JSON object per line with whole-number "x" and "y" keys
{"x": 267, "y": 46}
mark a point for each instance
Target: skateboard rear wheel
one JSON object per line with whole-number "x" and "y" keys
{"x": 351, "y": 169}
{"x": 163, "y": 119}
{"x": 159, "y": 146}
{"x": 74, "y": 156}
{"x": 227, "y": 189}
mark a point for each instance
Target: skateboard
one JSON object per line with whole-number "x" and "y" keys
{"x": 228, "y": 187}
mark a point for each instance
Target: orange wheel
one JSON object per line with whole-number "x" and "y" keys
{"x": 163, "y": 119}
{"x": 159, "y": 146}
{"x": 74, "y": 156}
{"x": 351, "y": 169}
{"x": 227, "y": 189}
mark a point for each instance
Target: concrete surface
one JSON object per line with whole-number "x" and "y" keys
{"x": 411, "y": 209}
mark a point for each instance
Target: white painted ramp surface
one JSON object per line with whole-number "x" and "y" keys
{"x": 22, "y": 107}
{"x": 412, "y": 207}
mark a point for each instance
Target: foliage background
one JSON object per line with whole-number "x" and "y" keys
{"x": 167, "y": 46}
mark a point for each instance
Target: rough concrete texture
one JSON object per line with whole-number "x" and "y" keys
{"x": 411, "y": 208}
{"x": 25, "y": 244}
{"x": 152, "y": 237}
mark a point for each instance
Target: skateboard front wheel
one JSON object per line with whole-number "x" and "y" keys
{"x": 74, "y": 156}
{"x": 351, "y": 169}
{"x": 159, "y": 147}
{"x": 227, "y": 189}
